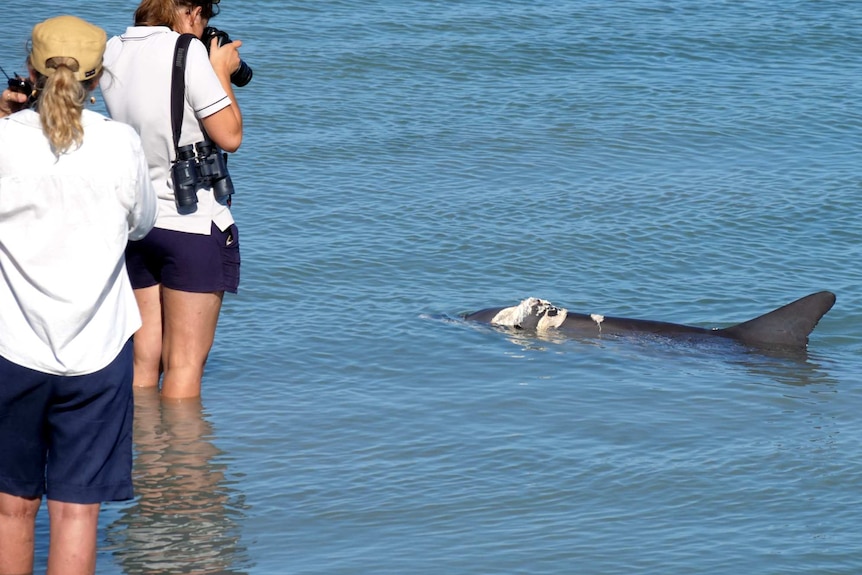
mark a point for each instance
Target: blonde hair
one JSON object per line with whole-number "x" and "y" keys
{"x": 61, "y": 104}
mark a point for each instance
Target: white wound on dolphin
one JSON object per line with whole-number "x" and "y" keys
{"x": 515, "y": 316}
{"x": 598, "y": 319}
{"x": 539, "y": 312}
{"x": 553, "y": 317}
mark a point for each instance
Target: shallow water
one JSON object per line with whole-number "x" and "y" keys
{"x": 405, "y": 162}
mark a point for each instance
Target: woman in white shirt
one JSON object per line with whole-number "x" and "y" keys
{"x": 181, "y": 270}
{"x": 74, "y": 189}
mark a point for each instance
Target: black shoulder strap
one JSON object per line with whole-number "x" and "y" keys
{"x": 178, "y": 86}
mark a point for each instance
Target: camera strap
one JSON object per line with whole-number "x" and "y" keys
{"x": 178, "y": 86}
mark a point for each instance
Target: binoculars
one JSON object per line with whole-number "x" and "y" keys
{"x": 197, "y": 165}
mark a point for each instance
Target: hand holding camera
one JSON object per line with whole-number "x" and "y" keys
{"x": 242, "y": 72}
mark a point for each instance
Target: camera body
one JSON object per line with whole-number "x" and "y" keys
{"x": 242, "y": 75}
{"x": 200, "y": 164}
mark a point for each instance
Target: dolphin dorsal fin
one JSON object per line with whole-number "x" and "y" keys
{"x": 787, "y": 326}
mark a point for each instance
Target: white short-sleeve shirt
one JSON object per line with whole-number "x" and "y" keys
{"x": 66, "y": 303}
{"x": 137, "y": 91}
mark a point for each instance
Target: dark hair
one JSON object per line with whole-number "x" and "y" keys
{"x": 210, "y": 9}
{"x": 163, "y": 12}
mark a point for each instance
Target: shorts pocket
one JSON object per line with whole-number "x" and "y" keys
{"x": 230, "y": 259}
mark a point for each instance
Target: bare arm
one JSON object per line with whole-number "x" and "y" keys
{"x": 225, "y": 126}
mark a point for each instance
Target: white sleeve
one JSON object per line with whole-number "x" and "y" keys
{"x": 203, "y": 88}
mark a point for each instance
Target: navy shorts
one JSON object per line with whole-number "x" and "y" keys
{"x": 186, "y": 262}
{"x": 67, "y": 436}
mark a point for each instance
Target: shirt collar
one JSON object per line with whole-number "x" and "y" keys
{"x": 141, "y": 32}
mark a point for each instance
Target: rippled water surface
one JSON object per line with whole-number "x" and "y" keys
{"x": 407, "y": 161}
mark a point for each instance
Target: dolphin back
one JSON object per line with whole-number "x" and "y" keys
{"x": 484, "y": 315}
{"x": 787, "y": 327}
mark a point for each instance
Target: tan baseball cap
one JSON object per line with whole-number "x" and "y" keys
{"x": 68, "y": 37}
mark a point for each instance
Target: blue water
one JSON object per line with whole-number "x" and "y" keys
{"x": 404, "y": 162}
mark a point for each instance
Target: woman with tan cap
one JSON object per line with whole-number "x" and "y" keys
{"x": 74, "y": 189}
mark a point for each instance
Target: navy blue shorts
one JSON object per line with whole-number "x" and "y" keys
{"x": 67, "y": 436}
{"x": 186, "y": 262}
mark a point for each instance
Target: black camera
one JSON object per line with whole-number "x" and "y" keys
{"x": 242, "y": 75}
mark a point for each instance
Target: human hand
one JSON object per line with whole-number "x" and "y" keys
{"x": 11, "y": 102}
{"x": 225, "y": 58}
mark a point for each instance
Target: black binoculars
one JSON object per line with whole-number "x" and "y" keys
{"x": 201, "y": 164}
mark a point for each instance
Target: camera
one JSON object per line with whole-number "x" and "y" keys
{"x": 242, "y": 75}
{"x": 200, "y": 164}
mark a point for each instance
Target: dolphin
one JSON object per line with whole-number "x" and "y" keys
{"x": 787, "y": 327}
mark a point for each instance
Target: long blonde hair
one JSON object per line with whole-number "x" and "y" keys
{"x": 61, "y": 104}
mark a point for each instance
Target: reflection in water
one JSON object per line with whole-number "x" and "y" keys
{"x": 794, "y": 367}
{"x": 799, "y": 370}
{"x": 185, "y": 516}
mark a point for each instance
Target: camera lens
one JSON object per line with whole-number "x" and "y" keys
{"x": 242, "y": 75}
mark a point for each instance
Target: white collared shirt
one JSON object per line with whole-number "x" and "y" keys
{"x": 66, "y": 304}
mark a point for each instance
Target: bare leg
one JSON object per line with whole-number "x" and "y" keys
{"x": 190, "y": 321}
{"x": 73, "y": 538}
{"x": 17, "y": 537}
{"x": 148, "y": 339}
